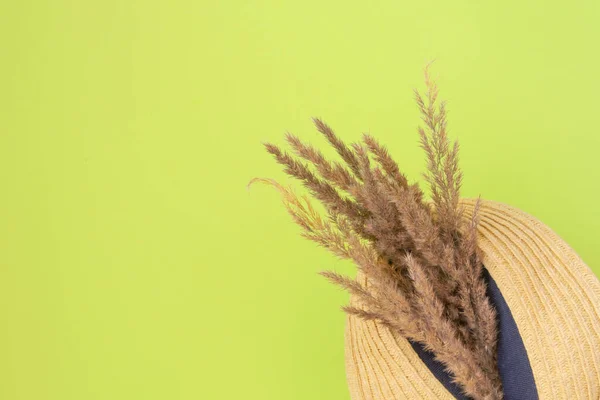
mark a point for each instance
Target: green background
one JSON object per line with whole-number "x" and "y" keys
{"x": 135, "y": 264}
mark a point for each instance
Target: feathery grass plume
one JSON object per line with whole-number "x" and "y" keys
{"x": 422, "y": 266}
{"x": 341, "y": 241}
{"x": 385, "y": 160}
{"x": 445, "y": 180}
{"x": 322, "y": 190}
{"x": 335, "y": 173}
{"x": 444, "y": 176}
{"x": 339, "y": 145}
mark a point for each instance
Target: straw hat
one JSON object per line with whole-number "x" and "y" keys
{"x": 545, "y": 290}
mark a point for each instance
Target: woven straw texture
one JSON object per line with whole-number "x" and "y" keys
{"x": 554, "y": 298}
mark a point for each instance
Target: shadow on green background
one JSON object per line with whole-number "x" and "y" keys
{"x": 135, "y": 265}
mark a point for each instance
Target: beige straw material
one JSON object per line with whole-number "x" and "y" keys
{"x": 554, "y": 298}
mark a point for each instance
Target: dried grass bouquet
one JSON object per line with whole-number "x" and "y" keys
{"x": 425, "y": 276}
